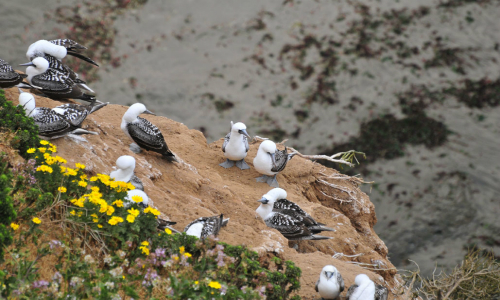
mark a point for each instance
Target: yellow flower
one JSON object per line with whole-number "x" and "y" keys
{"x": 70, "y": 172}
{"x": 182, "y": 249}
{"x": 94, "y": 216}
{"x": 63, "y": 169}
{"x": 80, "y": 213}
{"x": 110, "y": 210}
{"x": 149, "y": 209}
{"x": 93, "y": 178}
{"x": 42, "y": 149}
{"x": 113, "y": 184}
{"x": 137, "y": 198}
{"x": 130, "y": 186}
{"x": 44, "y": 168}
{"x": 115, "y": 220}
{"x": 82, "y": 183}
{"x": 130, "y": 218}
{"x": 196, "y": 282}
{"x": 31, "y": 150}
{"x": 36, "y": 221}
{"x": 168, "y": 231}
{"x": 187, "y": 254}
{"x": 80, "y": 166}
{"x": 95, "y": 189}
{"x": 145, "y": 250}
{"x": 53, "y": 148}
{"x": 50, "y": 160}
{"x": 145, "y": 243}
{"x": 62, "y": 189}
{"x": 118, "y": 203}
{"x": 43, "y": 142}
{"x": 104, "y": 206}
{"x": 214, "y": 284}
{"x": 72, "y": 212}
{"x": 134, "y": 212}
{"x": 99, "y": 225}
{"x": 14, "y": 226}
{"x": 83, "y": 177}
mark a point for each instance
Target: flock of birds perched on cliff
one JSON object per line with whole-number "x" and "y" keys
{"x": 48, "y": 76}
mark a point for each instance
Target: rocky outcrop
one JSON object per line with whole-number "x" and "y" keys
{"x": 197, "y": 186}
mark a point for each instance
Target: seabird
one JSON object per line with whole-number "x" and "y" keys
{"x": 206, "y": 226}
{"x": 270, "y": 161}
{"x": 53, "y": 83}
{"x": 288, "y": 218}
{"x": 50, "y": 123}
{"x": 143, "y": 133}
{"x": 330, "y": 283}
{"x": 57, "y": 65}
{"x": 125, "y": 172}
{"x": 58, "y": 48}
{"x": 76, "y": 113}
{"x": 8, "y": 77}
{"x": 235, "y": 146}
{"x": 365, "y": 289}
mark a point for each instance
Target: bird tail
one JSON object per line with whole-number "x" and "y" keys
{"x": 319, "y": 237}
{"x": 85, "y": 87}
{"x": 98, "y": 105}
{"x": 23, "y": 75}
{"x": 224, "y": 221}
{"x": 317, "y": 229}
{"x": 80, "y": 131}
{"x": 87, "y": 97}
{"x": 82, "y": 57}
{"x": 170, "y": 156}
{"x": 162, "y": 223}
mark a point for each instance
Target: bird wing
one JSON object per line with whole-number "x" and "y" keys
{"x": 340, "y": 280}
{"x": 245, "y": 141}
{"x": 146, "y": 135}
{"x": 381, "y": 292}
{"x": 226, "y": 141}
{"x": 289, "y": 227}
{"x": 287, "y": 207}
{"x": 75, "y": 114}
{"x": 5, "y": 67}
{"x": 137, "y": 183}
{"x": 68, "y": 44}
{"x": 56, "y": 64}
{"x": 211, "y": 225}
{"x": 350, "y": 291}
{"x": 53, "y": 80}
{"x": 281, "y": 158}
{"x": 51, "y": 123}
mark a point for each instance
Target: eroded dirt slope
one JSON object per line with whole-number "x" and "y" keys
{"x": 199, "y": 187}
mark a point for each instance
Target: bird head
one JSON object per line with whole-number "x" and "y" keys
{"x": 240, "y": 128}
{"x": 269, "y": 147}
{"x": 329, "y": 272}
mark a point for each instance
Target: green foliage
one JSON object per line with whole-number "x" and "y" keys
{"x": 110, "y": 247}
{"x": 13, "y": 118}
{"x": 7, "y": 211}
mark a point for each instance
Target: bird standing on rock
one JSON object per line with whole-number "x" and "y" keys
{"x": 288, "y": 218}
{"x": 144, "y": 133}
{"x": 50, "y": 123}
{"x": 330, "y": 283}
{"x": 235, "y": 147}
{"x": 206, "y": 226}
{"x": 53, "y": 83}
{"x": 270, "y": 161}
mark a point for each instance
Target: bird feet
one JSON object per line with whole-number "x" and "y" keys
{"x": 227, "y": 164}
{"x": 135, "y": 148}
{"x": 269, "y": 180}
{"x": 242, "y": 164}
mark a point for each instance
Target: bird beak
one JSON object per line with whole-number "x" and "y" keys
{"x": 263, "y": 200}
{"x": 329, "y": 274}
{"x": 20, "y": 91}
{"x": 243, "y": 131}
{"x": 28, "y": 64}
{"x": 149, "y": 112}
{"x": 273, "y": 159}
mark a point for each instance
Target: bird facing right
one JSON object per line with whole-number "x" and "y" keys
{"x": 144, "y": 133}
{"x": 330, "y": 283}
{"x": 269, "y": 161}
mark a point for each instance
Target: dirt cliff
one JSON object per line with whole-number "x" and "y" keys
{"x": 197, "y": 187}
